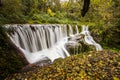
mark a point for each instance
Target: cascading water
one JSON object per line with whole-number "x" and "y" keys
{"x": 40, "y": 41}
{"x": 70, "y": 31}
{"x": 89, "y": 39}
{"x": 77, "y": 31}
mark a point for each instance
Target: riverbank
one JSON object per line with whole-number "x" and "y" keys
{"x": 91, "y": 66}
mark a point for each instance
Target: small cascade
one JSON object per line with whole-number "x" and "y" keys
{"x": 70, "y": 30}
{"x": 77, "y": 31}
{"x": 89, "y": 39}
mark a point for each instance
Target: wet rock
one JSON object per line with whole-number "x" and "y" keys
{"x": 77, "y": 37}
{"x": 73, "y": 47}
{"x": 37, "y": 65}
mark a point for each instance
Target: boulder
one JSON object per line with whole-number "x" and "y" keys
{"x": 73, "y": 47}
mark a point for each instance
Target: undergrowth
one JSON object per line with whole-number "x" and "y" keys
{"x": 103, "y": 65}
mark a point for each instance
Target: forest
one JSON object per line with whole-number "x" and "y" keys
{"x": 103, "y": 19}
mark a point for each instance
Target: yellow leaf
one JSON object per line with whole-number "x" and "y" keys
{"x": 89, "y": 65}
{"x": 119, "y": 63}
{"x": 101, "y": 63}
{"x": 115, "y": 78}
{"x": 49, "y": 11}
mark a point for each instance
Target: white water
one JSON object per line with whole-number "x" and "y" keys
{"x": 77, "y": 31}
{"x": 89, "y": 39}
{"x": 70, "y": 31}
{"x": 40, "y": 41}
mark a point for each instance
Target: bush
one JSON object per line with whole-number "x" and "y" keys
{"x": 53, "y": 20}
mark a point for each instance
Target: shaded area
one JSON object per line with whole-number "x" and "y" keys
{"x": 0, "y": 3}
{"x": 11, "y": 59}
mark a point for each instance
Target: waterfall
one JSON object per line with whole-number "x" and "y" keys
{"x": 39, "y": 42}
{"x": 70, "y": 30}
{"x": 77, "y": 31}
{"x": 89, "y": 39}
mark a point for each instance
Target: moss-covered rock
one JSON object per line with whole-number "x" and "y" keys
{"x": 103, "y": 65}
{"x": 10, "y": 58}
{"x": 77, "y": 44}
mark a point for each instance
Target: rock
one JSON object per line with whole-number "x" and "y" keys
{"x": 43, "y": 63}
{"x": 77, "y": 37}
{"x": 40, "y": 64}
{"x": 19, "y": 52}
{"x": 11, "y": 58}
{"x": 73, "y": 47}
{"x": 77, "y": 44}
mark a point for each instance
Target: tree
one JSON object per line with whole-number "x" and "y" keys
{"x": 0, "y": 2}
{"x": 85, "y": 7}
{"x": 11, "y": 10}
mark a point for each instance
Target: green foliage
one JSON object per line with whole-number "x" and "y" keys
{"x": 101, "y": 65}
{"x": 11, "y": 11}
{"x": 103, "y": 19}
